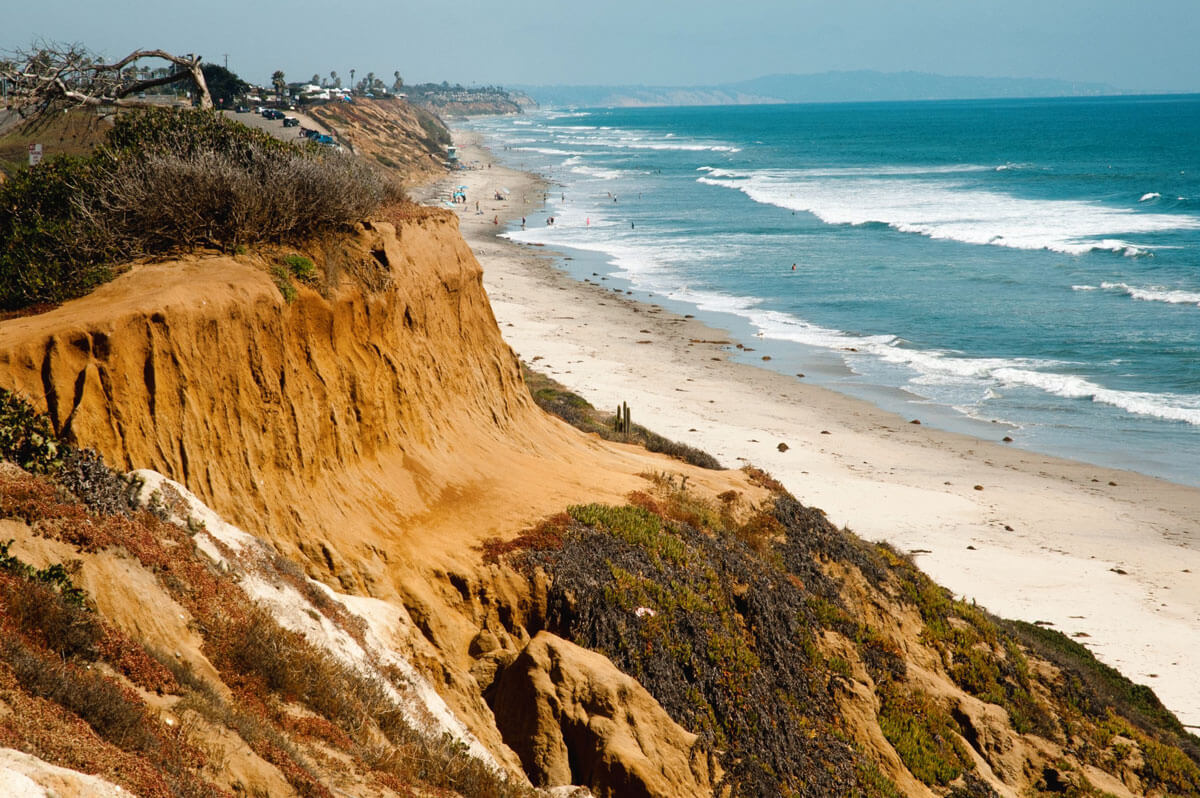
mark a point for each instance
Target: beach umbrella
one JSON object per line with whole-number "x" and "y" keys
{"x": 506, "y": 191}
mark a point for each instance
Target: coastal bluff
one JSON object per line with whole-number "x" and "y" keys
{"x": 372, "y": 443}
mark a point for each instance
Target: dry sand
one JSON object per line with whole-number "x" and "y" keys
{"x": 1111, "y": 558}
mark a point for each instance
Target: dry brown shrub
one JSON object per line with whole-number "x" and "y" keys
{"x": 131, "y": 660}
{"x": 763, "y": 479}
{"x": 165, "y": 201}
{"x": 548, "y": 534}
{"x": 46, "y": 618}
{"x": 117, "y": 716}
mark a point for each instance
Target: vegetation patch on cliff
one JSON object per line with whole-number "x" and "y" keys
{"x": 731, "y": 615}
{"x": 166, "y": 181}
{"x": 696, "y": 605}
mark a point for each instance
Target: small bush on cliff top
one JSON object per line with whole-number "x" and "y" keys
{"x": 167, "y": 181}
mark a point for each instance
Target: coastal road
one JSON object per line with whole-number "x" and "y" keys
{"x": 275, "y": 126}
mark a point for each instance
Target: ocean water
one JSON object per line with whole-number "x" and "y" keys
{"x": 1028, "y": 268}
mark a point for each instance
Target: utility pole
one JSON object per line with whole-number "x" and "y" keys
{"x": 226, "y": 61}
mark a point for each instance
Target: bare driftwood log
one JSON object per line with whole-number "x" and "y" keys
{"x": 53, "y": 77}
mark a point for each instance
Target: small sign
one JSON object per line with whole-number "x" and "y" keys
{"x": 35, "y": 154}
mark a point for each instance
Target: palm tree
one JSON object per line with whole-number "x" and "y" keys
{"x": 352, "y": 80}
{"x": 278, "y": 82}
{"x": 399, "y": 84}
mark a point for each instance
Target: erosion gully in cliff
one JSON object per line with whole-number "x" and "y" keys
{"x": 370, "y": 564}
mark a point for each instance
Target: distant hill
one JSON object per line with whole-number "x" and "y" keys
{"x": 857, "y": 86}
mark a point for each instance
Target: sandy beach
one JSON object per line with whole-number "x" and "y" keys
{"x": 1111, "y": 558}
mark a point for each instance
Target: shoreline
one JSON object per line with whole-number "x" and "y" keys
{"x": 1108, "y": 557}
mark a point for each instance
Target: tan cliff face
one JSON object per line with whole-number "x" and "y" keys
{"x": 393, "y": 134}
{"x": 351, "y": 419}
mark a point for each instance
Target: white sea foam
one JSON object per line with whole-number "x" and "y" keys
{"x": 1155, "y": 294}
{"x": 1172, "y": 407}
{"x": 929, "y": 204}
{"x": 546, "y": 150}
{"x": 636, "y": 140}
{"x": 597, "y": 172}
{"x": 1153, "y": 195}
{"x": 943, "y": 368}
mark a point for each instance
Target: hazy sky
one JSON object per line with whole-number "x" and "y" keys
{"x": 1130, "y": 44}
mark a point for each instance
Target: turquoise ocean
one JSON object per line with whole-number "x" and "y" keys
{"x": 1020, "y": 268}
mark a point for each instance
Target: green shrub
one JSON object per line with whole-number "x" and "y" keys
{"x": 47, "y": 606}
{"x": 979, "y": 657}
{"x": 302, "y": 268}
{"x": 283, "y": 281}
{"x": 437, "y": 136}
{"x": 922, "y": 734}
{"x": 49, "y": 253}
{"x": 1168, "y": 767}
{"x": 1098, "y": 690}
{"x": 26, "y": 437}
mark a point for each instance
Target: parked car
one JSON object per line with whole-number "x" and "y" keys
{"x": 243, "y": 109}
{"x": 323, "y": 139}
{"x": 291, "y": 121}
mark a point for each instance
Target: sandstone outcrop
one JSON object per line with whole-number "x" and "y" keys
{"x": 573, "y": 718}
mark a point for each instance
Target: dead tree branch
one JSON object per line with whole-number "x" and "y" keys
{"x": 52, "y": 77}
